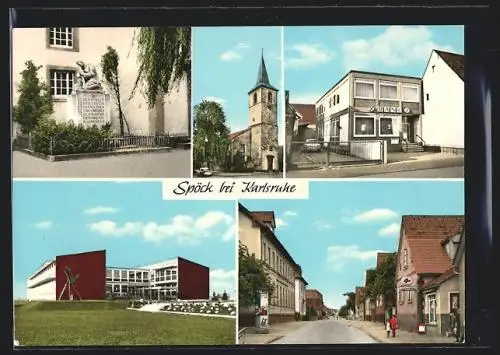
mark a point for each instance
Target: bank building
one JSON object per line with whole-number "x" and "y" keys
{"x": 59, "y": 49}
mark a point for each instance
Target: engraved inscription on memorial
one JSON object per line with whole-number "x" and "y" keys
{"x": 92, "y": 108}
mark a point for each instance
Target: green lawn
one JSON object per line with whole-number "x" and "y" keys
{"x": 107, "y": 323}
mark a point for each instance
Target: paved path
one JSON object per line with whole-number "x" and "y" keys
{"x": 377, "y": 331}
{"x": 411, "y": 168}
{"x": 326, "y": 332}
{"x": 443, "y": 173}
{"x": 174, "y": 164}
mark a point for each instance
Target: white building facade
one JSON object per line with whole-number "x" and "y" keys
{"x": 365, "y": 106}
{"x": 443, "y": 120}
{"x": 300, "y": 296}
{"x": 157, "y": 282}
{"x": 58, "y": 49}
{"x": 42, "y": 284}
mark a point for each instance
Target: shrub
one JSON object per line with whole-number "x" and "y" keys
{"x": 50, "y": 137}
{"x": 35, "y": 100}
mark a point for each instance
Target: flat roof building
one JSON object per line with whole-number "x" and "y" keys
{"x": 85, "y": 276}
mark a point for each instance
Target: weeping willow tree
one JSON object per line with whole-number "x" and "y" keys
{"x": 164, "y": 59}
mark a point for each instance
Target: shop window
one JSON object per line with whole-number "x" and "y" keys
{"x": 364, "y": 126}
{"x": 389, "y": 126}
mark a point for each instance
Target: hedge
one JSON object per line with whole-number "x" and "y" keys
{"x": 53, "y": 138}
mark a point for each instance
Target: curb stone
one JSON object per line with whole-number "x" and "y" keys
{"x": 66, "y": 157}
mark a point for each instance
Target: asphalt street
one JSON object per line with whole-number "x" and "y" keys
{"x": 456, "y": 172}
{"x": 327, "y": 331}
{"x": 173, "y": 164}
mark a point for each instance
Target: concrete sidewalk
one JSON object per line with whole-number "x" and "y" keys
{"x": 377, "y": 331}
{"x": 276, "y": 331}
{"x": 427, "y": 161}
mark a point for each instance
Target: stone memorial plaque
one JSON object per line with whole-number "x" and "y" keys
{"x": 92, "y": 108}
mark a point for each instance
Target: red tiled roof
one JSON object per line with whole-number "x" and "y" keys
{"x": 307, "y": 111}
{"x": 238, "y": 133}
{"x": 313, "y": 294}
{"x": 455, "y": 61}
{"x": 424, "y": 235}
{"x": 264, "y": 216}
{"x": 448, "y": 274}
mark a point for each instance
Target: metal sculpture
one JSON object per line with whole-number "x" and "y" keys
{"x": 70, "y": 285}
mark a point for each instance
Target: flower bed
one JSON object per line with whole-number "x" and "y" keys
{"x": 216, "y": 308}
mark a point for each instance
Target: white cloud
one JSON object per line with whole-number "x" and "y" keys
{"x": 111, "y": 229}
{"x": 374, "y": 215}
{"x": 216, "y": 99}
{"x": 230, "y": 233}
{"x": 230, "y": 56}
{"x": 280, "y": 223}
{"x": 243, "y": 45}
{"x": 100, "y": 210}
{"x": 322, "y": 225}
{"x": 397, "y": 46}
{"x": 290, "y": 213}
{"x": 390, "y": 230}
{"x": 182, "y": 228}
{"x": 308, "y": 55}
{"x": 44, "y": 224}
{"x": 223, "y": 280}
{"x": 304, "y": 98}
{"x": 339, "y": 255}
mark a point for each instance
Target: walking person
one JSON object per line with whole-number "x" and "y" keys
{"x": 393, "y": 322}
{"x": 388, "y": 328}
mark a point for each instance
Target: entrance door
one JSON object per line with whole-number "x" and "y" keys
{"x": 405, "y": 129}
{"x": 270, "y": 160}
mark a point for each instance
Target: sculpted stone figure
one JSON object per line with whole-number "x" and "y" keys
{"x": 86, "y": 77}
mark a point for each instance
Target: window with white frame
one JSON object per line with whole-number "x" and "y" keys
{"x": 364, "y": 89}
{"x": 389, "y": 126}
{"x": 410, "y": 296}
{"x": 409, "y": 93}
{"x": 405, "y": 260}
{"x": 431, "y": 308}
{"x": 61, "y": 82}
{"x": 61, "y": 37}
{"x": 388, "y": 91}
{"x": 364, "y": 126}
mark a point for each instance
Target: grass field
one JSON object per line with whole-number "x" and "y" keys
{"x": 108, "y": 323}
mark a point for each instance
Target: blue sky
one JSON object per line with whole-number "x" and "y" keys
{"x": 129, "y": 220}
{"x": 336, "y": 234}
{"x": 226, "y": 63}
{"x": 318, "y": 57}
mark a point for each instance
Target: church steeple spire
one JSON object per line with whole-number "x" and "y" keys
{"x": 262, "y": 76}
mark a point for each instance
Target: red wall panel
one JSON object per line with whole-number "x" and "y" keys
{"x": 194, "y": 280}
{"x": 91, "y": 270}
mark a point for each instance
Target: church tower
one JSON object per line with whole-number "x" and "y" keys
{"x": 263, "y": 120}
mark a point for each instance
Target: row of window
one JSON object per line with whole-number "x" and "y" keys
{"x": 332, "y": 101}
{"x": 277, "y": 263}
{"x": 283, "y": 297}
{"x": 134, "y": 291}
{"x": 138, "y": 276}
{"x": 405, "y": 296}
{"x": 269, "y": 98}
{"x": 365, "y": 89}
{"x": 364, "y": 126}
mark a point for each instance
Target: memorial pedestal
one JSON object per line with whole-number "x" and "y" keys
{"x": 89, "y": 108}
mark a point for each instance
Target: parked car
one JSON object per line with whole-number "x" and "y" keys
{"x": 312, "y": 145}
{"x": 203, "y": 172}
